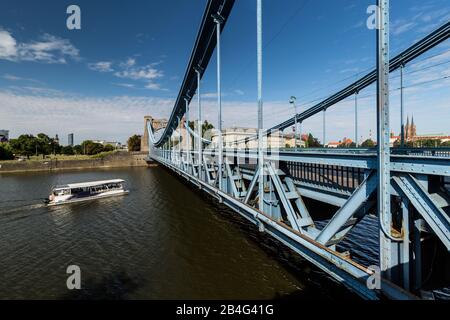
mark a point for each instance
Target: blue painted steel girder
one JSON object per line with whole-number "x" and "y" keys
{"x": 428, "y": 42}
{"x": 200, "y": 56}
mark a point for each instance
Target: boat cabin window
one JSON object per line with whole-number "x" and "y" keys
{"x": 61, "y": 192}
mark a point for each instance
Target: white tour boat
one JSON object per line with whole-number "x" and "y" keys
{"x": 77, "y": 192}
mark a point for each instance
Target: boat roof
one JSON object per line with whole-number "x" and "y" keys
{"x": 87, "y": 184}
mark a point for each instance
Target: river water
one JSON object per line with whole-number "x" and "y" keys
{"x": 165, "y": 240}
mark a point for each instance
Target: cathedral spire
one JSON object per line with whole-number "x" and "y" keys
{"x": 407, "y": 128}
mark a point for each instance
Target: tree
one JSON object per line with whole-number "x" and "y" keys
{"x": 429, "y": 143}
{"x": 312, "y": 142}
{"x": 44, "y": 143}
{"x": 206, "y": 126}
{"x": 6, "y": 151}
{"x": 78, "y": 149}
{"x": 108, "y": 148}
{"x": 369, "y": 143}
{"x": 89, "y": 147}
{"x": 67, "y": 150}
{"x": 346, "y": 143}
{"x": 25, "y": 145}
{"x": 134, "y": 143}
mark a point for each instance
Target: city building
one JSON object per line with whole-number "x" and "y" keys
{"x": 4, "y": 135}
{"x": 412, "y": 136}
{"x": 344, "y": 143}
{"x": 289, "y": 140}
{"x": 332, "y": 144}
{"x": 115, "y": 144}
{"x": 238, "y": 137}
{"x": 410, "y": 129}
{"x": 70, "y": 139}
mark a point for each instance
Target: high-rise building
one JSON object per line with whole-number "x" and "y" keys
{"x": 4, "y": 135}
{"x": 70, "y": 139}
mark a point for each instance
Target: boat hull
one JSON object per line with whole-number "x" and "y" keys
{"x": 101, "y": 196}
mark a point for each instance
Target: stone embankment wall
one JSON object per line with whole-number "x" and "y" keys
{"x": 117, "y": 159}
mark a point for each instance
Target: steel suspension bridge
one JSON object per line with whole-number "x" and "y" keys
{"x": 407, "y": 190}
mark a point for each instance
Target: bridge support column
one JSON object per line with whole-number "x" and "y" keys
{"x": 324, "y": 127}
{"x": 387, "y": 247}
{"x": 356, "y": 119}
{"x": 402, "y": 116}
{"x": 180, "y": 155}
{"x": 199, "y": 126}
{"x": 218, "y": 20}
{"x": 260, "y": 103}
{"x": 188, "y": 138}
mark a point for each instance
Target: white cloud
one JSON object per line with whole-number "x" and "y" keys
{"x": 49, "y": 49}
{"x": 125, "y": 85}
{"x": 102, "y": 66}
{"x": 148, "y": 73}
{"x": 11, "y": 77}
{"x": 154, "y": 86}
{"x": 8, "y": 45}
{"x": 129, "y": 69}
{"x": 31, "y": 111}
{"x": 140, "y": 73}
{"x": 400, "y": 26}
{"x": 352, "y": 70}
{"x": 209, "y": 95}
{"x": 129, "y": 63}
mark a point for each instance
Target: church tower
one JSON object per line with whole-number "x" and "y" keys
{"x": 407, "y": 129}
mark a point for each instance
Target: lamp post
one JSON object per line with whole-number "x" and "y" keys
{"x": 292, "y": 101}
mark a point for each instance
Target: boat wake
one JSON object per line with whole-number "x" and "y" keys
{"x": 23, "y": 208}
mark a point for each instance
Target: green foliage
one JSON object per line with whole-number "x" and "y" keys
{"x": 206, "y": 126}
{"x": 89, "y": 147}
{"x": 134, "y": 143}
{"x": 369, "y": 143}
{"x": 312, "y": 142}
{"x": 429, "y": 143}
{"x": 101, "y": 155}
{"x": 108, "y": 148}
{"x": 27, "y": 145}
{"x": 78, "y": 149}
{"x": 67, "y": 150}
{"x": 347, "y": 145}
{"x": 6, "y": 152}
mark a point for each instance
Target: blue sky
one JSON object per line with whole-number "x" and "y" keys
{"x": 129, "y": 58}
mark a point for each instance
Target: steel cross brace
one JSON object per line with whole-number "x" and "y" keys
{"x": 433, "y": 214}
{"x": 349, "y": 209}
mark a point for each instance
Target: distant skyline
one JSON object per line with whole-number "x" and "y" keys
{"x": 129, "y": 59}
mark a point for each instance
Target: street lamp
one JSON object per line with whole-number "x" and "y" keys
{"x": 292, "y": 101}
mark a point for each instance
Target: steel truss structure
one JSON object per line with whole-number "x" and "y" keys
{"x": 406, "y": 189}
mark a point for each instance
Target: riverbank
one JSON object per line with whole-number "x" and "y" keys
{"x": 113, "y": 160}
